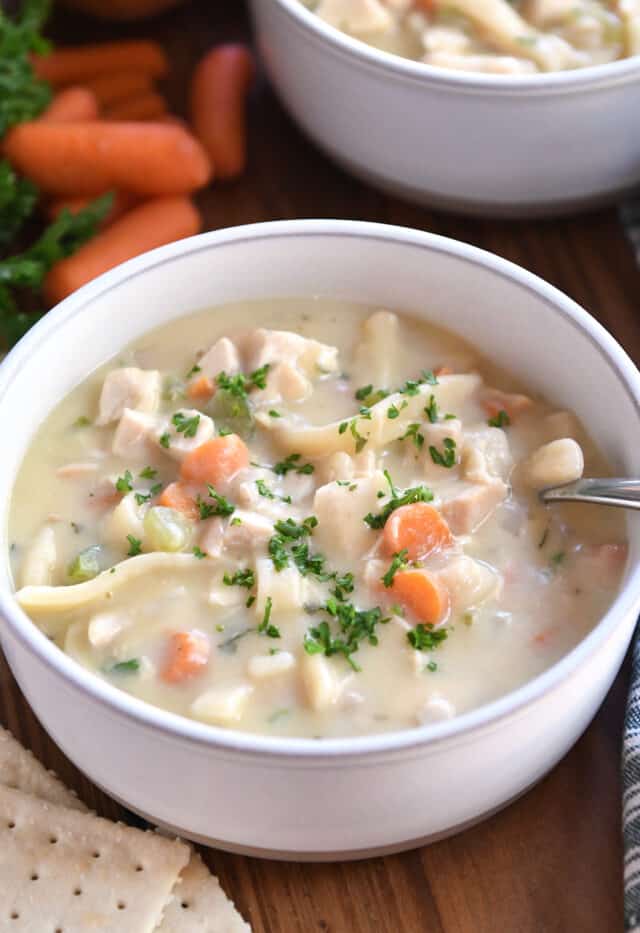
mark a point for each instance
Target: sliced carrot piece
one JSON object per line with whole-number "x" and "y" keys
{"x": 201, "y": 388}
{"x": 419, "y": 528}
{"x": 74, "y": 103}
{"x": 422, "y": 593}
{"x": 188, "y": 655}
{"x": 77, "y": 63}
{"x": 216, "y": 461}
{"x": 177, "y": 496}
{"x": 443, "y": 371}
{"x": 112, "y": 87}
{"x": 146, "y": 106}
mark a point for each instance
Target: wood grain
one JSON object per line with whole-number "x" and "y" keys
{"x": 551, "y": 862}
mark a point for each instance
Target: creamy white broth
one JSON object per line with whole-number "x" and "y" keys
{"x": 518, "y": 587}
{"x": 492, "y": 36}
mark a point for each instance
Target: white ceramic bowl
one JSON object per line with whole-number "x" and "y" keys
{"x": 341, "y": 797}
{"x": 537, "y": 144}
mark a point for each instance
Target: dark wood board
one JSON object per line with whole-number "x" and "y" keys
{"x": 552, "y": 861}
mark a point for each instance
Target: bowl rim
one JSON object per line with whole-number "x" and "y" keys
{"x": 570, "y": 79}
{"x": 227, "y": 740}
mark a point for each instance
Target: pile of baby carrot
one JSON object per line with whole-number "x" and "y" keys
{"x": 108, "y": 130}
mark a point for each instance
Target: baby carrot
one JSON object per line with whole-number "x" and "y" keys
{"x": 145, "y": 106}
{"x": 201, "y": 388}
{"x": 74, "y": 103}
{"x": 122, "y": 202}
{"x": 422, "y": 594}
{"x": 495, "y": 401}
{"x": 188, "y": 655}
{"x": 77, "y": 63}
{"x": 419, "y": 528}
{"x": 218, "y": 93}
{"x": 177, "y": 496}
{"x": 215, "y": 461}
{"x": 87, "y": 158}
{"x": 152, "y": 224}
{"x": 111, "y": 88}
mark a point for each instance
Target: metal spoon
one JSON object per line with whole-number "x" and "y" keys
{"x": 607, "y": 491}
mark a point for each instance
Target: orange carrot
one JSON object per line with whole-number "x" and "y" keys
{"x": 419, "y": 528}
{"x": 178, "y": 496}
{"x": 152, "y": 224}
{"x": 77, "y": 63}
{"x": 218, "y": 93}
{"x": 422, "y": 593}
{"x": 74, "y": 103}
{"x": 145, "y": 106}
{"x": 113, "y": 87}
{"x": 215, "y": 461}
{"x": 425, "y": 6}
{"x": 87, "y": 158}
{"x": 122, "y": 202}
{"x": 188, "y": 655}
{"x": 443, "y": 371}
{"x": 495, "y": 401}
{"x": 201, "y": 388}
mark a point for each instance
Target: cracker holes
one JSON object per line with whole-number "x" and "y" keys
{"x": 139, "y": 867}
{"x": 122, "y": 905}
{"x": 185, "y": 905}
{"x": 35, "y": 876}
{"x": 14, "y": 915}
{"x": 11, "y": 824}
{"x": 77, "y": 892}
{"x": 95, "y": 854}
{"x": 53, "y": 840}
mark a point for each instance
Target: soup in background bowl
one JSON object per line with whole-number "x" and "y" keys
{"x": 310, "y": 518}
{"x": 249, "y": 791}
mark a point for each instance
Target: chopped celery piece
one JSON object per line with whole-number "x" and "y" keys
{"x": 165, "y": 529}
{"x": 86, "y": 565}
{"x": 232, "y": 413}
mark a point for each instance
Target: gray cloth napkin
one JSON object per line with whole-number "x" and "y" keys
{"x": 630, "y": 216}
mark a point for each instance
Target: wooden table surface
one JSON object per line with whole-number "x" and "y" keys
{"x": 551, "y": 862}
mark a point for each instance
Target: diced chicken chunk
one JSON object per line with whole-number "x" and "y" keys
{"x": 222, "y": 705}
{"x": 40, "y": 560}
{"x": 311, "y": 357}
{"x": 222, "y": 357}
{"x": 486, "y": 455}
{"x": 266, "y": 666}
{"x": 469, "y": 582}
{"x": 340, "y": 511}
{"x": 134, "y": 439}
{"x": 247, "y": 531}
{"x": 355, "y": 16}
{"x": 472, "y": 505}
{"x": 319, "y": 680}
{"x": 284, "y": 383}
{"x": 125, "y": 519}
{"x": 137, "y": 389}
{"x": 104, "y": 627}
{"x": 180, "y": 441}
{"x": 555, "y": 463}
{"x": 287, "y": 588}
{"x": 211, "y": 536}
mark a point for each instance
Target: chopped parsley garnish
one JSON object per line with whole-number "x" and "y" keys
{"x": 239, "y": 385}
{"x": 413, "y": 433}
{"x": 264, "y": 490}
{"x": 194, "y": 370}
{"x": 82, "y": 422}
{"x": 355, "y": 626}
{"x": 448, "y": 456}
{"x": 501, "y": 420}
{"x": 258, "y": 377}
{"x": 266, "y": 627}
{"x": 124, "y": 667}
{"x": 393, "y": 411}
{"x": 219, "y": 506}
{"x": 124, "y": 483}
{"x": 274, "y": 414}
{"x": 245, "y": 578}
{"x": 148, "y": 473}
{"x": 198, "y": 553}
{"x": 292, "y": 462}
{"x": 343, "y": 585}
{"x": 369, "y": 395}
{"x": 412, "y": 386}
{"x": 352, "y": 425}
{"x": 165, "y": 440}
{"x": 135, "y": 546}
{"x": 184, "y": 425}
{"x": 432, "y": 667}
{"x": 425, "y": 637}
{"x": 408, "y": 497}
{"x": 230, "y": 646}
{"x": 399, "y": 561}
{"x": 431, "y": 410}
{"x": 558, "y": 558}
{"x": 288, "y": 532}
{"x": 236, "y": 521}
{"x": 250, "y": 601}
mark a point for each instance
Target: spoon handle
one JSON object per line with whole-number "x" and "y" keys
{"x": 608, "y": 491}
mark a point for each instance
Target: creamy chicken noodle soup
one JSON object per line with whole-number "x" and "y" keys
{"x": 495, "y": 36}
{"x": 309, "y": 518}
